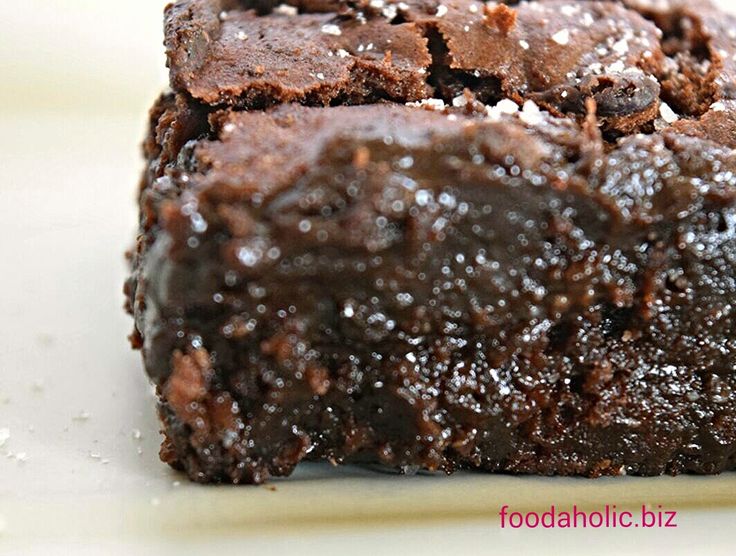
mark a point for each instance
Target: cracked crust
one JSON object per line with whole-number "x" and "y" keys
{"x": 529, "y": 268}
{"x": 628, "y": 57}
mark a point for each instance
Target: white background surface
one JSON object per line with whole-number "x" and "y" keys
{"x": 80, "y": 473}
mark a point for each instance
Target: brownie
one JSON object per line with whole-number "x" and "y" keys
{"x": 442, "y": 236}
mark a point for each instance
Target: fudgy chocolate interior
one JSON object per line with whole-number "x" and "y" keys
{"x": 528, "y": 268}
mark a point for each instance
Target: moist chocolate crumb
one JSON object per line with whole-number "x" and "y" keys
{"x": 500, "y": 16}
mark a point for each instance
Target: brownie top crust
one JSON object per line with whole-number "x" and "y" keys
{"x": 639, "y": 60}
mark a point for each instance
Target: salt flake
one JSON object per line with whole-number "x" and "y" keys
{"x": 668, "y": 115}
{"x": 331, "y": 29}
{"x": 285, "y": 9}
{"x": 530, "y": 113}
{"x": 562, "y": 37}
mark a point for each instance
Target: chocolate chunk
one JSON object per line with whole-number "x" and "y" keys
{"x": 625, "y": 102}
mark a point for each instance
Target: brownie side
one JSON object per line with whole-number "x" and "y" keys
{"x": 517, "y": 256}
{"x": 414, "y": 288}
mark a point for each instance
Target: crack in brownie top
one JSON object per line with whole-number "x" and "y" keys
{"x": 646, "y": 63}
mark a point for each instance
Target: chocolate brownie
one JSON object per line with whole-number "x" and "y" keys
{"x": 442, "y": 235}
